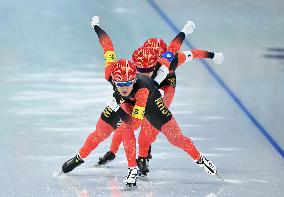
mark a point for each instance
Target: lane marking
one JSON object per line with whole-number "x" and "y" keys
{"x": 243, "y": 108}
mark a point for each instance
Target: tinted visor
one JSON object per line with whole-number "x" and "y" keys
{"x": 124, "y": 83}
{"x": 145, "y": 70}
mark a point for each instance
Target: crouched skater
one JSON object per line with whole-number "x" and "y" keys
{"x": 135, "y": 97}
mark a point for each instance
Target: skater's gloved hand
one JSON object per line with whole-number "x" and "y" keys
{"x": 188, "y": 28}
{"x": 113, "y": 104}
{"x": 218, "y": 58}
{"x": 95, "y": 21}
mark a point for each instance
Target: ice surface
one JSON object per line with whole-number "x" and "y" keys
{"x": 53, "y": 91}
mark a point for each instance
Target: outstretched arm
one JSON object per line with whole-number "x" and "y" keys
{"x": 186, "y": 56}
{"x": 176, "y": 43}
{"x": 167, "y": 57}
{"x": 107, "y": 46}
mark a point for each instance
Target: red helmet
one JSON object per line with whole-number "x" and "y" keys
{"x": 145, "y": 58}
{"x": 157, "y": 43}
{"x": 123, "y": 70}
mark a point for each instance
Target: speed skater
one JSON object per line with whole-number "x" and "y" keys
{"x": 135, "y": 96}
{"x": 144, "y": 58}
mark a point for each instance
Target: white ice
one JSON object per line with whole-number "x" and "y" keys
{"x": 53, "y": 91}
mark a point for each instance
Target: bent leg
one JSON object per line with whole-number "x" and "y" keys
{"x": 174, "y": 135}
{"x": 116, "y": 141}
{"x": 129, "y": 143}
{"x": 117, "y": 136}
{"x": 148, "y": 133}
{"x": 103, "y": 130}
{"x": 147, "y": 136}
{"x": 169, "y": 92}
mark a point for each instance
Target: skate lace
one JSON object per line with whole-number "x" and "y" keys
{"x": 131, "y": 175}
{"x": 208, "y": 164}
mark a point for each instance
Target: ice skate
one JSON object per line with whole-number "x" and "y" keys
{"x": 142, "y": 165}
{"x": 207, "y": 165}
{"x": 131, "y": 178}
{"x": 108, "y": 157}
{"x": 69, "y": 165}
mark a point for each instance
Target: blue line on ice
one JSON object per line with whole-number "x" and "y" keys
{"x": 222, "y": 83}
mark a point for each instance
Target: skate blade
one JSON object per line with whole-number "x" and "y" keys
{"x": 143, "y": 177}
{"x": 55, "y": 174}
{"x": 130, "y": 187}
{"x": 218, "y": 175}
{"x": 99, "y": 165}
{"x": 103, "y": 164}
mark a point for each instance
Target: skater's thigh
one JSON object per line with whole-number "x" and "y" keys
{"x": 169, "y": 92}
{"x": 110, "y": 117}
{"x": 147, "y": 130}
{"x": 157, "y": 112}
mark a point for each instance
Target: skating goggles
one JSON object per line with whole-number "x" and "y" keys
{"x": 145, "y": 70}
{"x": 124, "y": 83}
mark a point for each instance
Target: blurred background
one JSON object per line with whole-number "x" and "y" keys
{"x": 53, "y": 91}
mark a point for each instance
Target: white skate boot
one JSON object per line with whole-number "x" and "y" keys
{"x": 207, "y": 165}
{"x": 130, "y": 179}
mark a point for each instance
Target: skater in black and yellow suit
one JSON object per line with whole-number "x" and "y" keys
{"x": 135, "y": 97}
